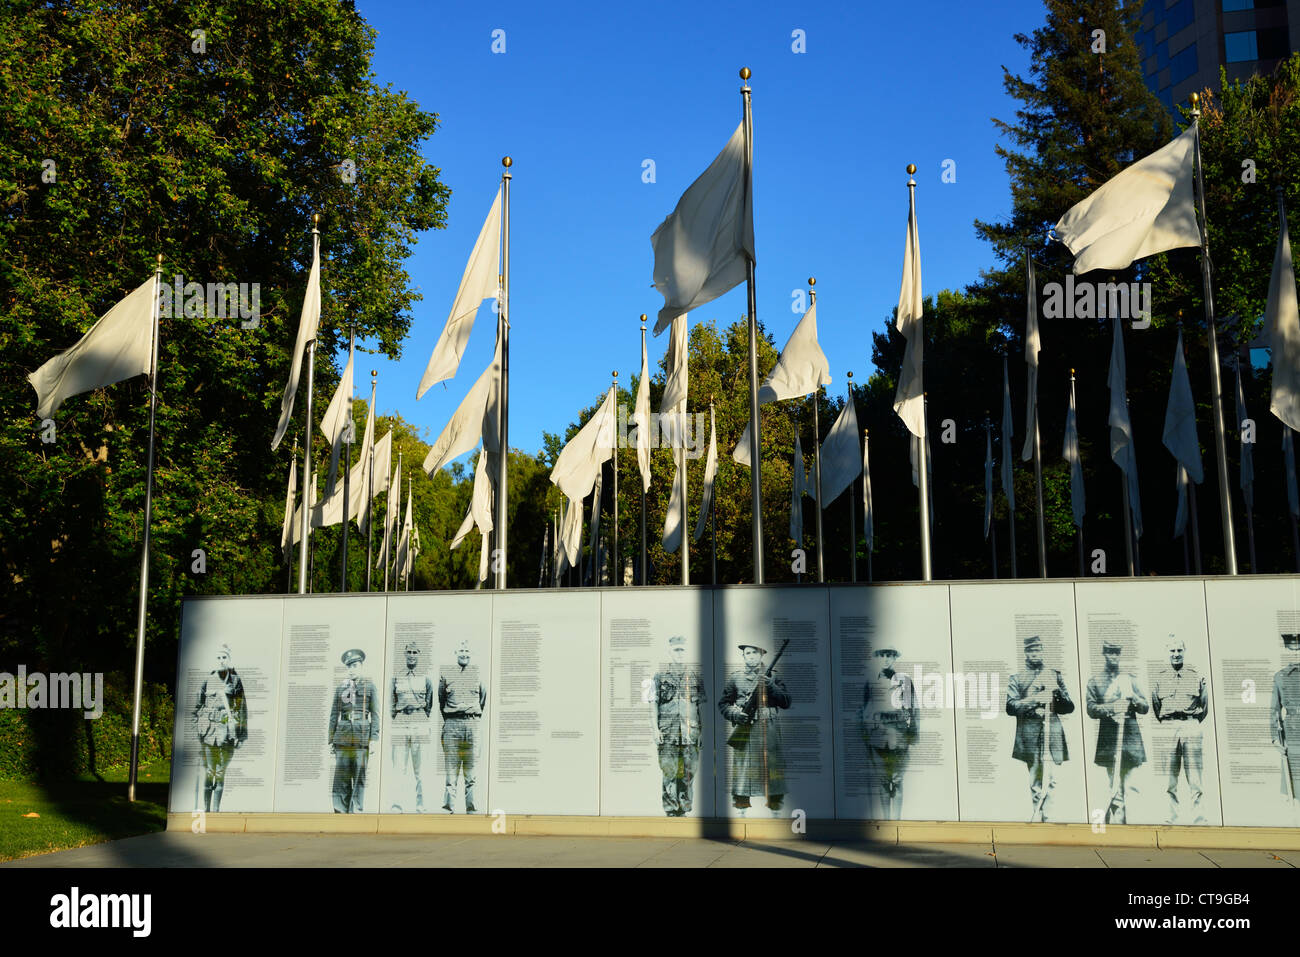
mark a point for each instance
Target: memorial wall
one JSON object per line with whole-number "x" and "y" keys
{"x": 1148, "y": 701}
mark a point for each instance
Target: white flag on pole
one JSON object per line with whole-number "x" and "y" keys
{"x": 383, "y": 462}
{"x": 479, "y": 514}
{"x": 404, "y": 540}
{"x": 579, "y": 462}
{"x": 337, "y": 422}
{"x": 909, "y": 399}
{"x": 676, "y": 372}
{"x": 1122, "y": 448}
{"x": 798, "y": 483}
{"x": 390, "y": 518}
{"x": 295, "y": 535}
{"x": 474, "y": 420}
{"x": 672, "y": 537}
{"x": 286, "y": 530}
{"x": 702, "y": 248}
{"x": 1071, "y": 453}
{"x": 481, "y": 280}
{"x": 571, "y": 532}
{"x": 308, "y": 322}
{"x": 331, "y": 511}
{"x": 710, "y": 474}
{"x": 641, "y": 419}
{"x": 1247, "y": 448}
{"x": 868, "y": 512}
{"x": 1180, "y": 516}
{"x": 1146, "y": 209}
{"x": 593, "y": 533}
{"x": 1282, "y": 320}
{"x": 1180, "y": 419}
{"x": 841, "y": 455}
{"x": 1033, "y": 346}
{"x": 1008, "y": 477}
{"x": 118, "y": 346}
{"x": 800, "y": 369}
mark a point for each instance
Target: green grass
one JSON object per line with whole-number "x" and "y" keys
{"x": 81, "y": 811}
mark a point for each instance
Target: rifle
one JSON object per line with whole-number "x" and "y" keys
{"x": 740, "y": 737}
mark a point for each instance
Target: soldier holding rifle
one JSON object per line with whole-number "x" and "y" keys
{"x": 751, "y": 700}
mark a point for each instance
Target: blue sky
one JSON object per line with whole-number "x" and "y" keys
{"x": 584, "y": 94}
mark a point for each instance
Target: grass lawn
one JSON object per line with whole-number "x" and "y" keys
{"x": 81, "y": 811}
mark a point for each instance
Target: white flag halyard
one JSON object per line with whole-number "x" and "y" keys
{"x": 118, "y": 346}
{"x": 1033, "y": 346}
{"x": 308, "y": 323}
{"x": 702, "y": 249}
{"x": 1122, "y": 448}
{"x": 579, "y": 462}
{"x": 480, "y": 281}
{"x": 1070, "y": 452}
{"x": 286, "y": 530}
{"x": 1146, "y": 209}
{"x": 338, "y": 421}
{"x": 710, "y": 474}
{"x": 909, "y": 399}
{"x": 1282, "y": 320}
{"x": 841, "y": 455}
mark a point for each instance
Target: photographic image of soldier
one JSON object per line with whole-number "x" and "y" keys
{"x": 752, "y": 700}
{"x": 890, "y": 726}
{"x": 353, "y": 727}
{"x": 220, "y": 719}
{"x": 462, "y": 697}
{"x": 1180, "y": 703}
{"x": 1114, "y": 696}
{"x": 410, "y": 708}
{"x": 1036, "y": 698}
{"x": 676, "y": 696}
{"x": 1284, "y": 721}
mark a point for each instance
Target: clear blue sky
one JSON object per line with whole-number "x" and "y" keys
{"x": 585, "y": 93}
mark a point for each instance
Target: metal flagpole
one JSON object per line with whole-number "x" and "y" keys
{"x": 347, "y": 476}
{"x": 499, "y": 531}
{"x": 641, "y": 484}
{"x": 1250, "y": 510}
{"x": 144, "y": 551}
{"x": 713, "y": 511}
{"x": 1010, "y": 466}
{"x": 817, "y": 458}
{"x": 391, "y": 557}
{"x": 993, "y": 526}
{"x": 866, "y": 478}
{"x": 853, "y": 516}
{"x": 303, "y": 560}
{"x": 1078, "y": 529}
{"x": 288, "y": 551}
{"x": 1128, "y": 526}
{"x": 1216, "y": 385}
{"x": 1191, "y": 498}
{"x": 923, "y": 479}
{"x": 1038, "y": 452}
{"x": 755, "y": 473}
{"x": 615, "y": 567}
{"x": 370, "y": 492}
{"x": 681, "y": 464}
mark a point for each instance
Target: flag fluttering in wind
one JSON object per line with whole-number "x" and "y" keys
{"x": 296, "y": 532}
{"x": 390, "y": 518}
{"x": 383, "y": 462}
{"x": 1146, "y": 209}
{"x": 286, "y": 530}
{"x": 988, "y": 482}
{"x": 641, "y": 418}
{"x": 1123, "y": 451}
{"x": 841, "y": 455}
{"x": 1008, "y": 483}
{"x": 480, "y": 281}
{"x": 593, "y": 536}
{"x": 475, "y": 420}
{"x": 571, "y": 532}
{"x": 701, "y": 250}
{"x": 479, "y": 514}
{"x": 673, "y": 521}
{"x": 1033, "y": 346}
{"x": 800, "y": 369}
{"x": 308, "y": 323}
{"x": 118, "y": 346}
{"x": 404, "y": 541}
{"x": 1070, "y": 451}
{"x": 1282, "y": 320}
{"x": 1180, "y": 419}
{"x": 710, "y": 474}
{"x": 580, "y": 461}
{"x": 338, "y": 422}
{"x": 1247, "y": 448}
{"x": 676, "y": 372}
{"x": 332, "y": 509}
{"x": 798, "y": 488}
{"x": 868, "y": 512}
{"x": 909, "y": 399}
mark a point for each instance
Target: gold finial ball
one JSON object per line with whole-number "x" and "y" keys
{"x": 315, "y": 219}
{"x": 812, "y": 281}
{"x": 615, "y": 373}
{"x": 911, "y": 169}
{"x": 374, "y": 372}
{"x": 160, "y": 260}
{"x": 744, "y": 73}
{"x": 1196, "y": 98}
{"x": 850, "y": 375}
{"x": 1071, "y": 370}
{"x": 507, "y": 162}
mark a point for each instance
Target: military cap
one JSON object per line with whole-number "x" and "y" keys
{"x": 1111, "y": 647}
{"x": 1291, "y": 641}
{"x": 678, "y": 641}
{"x": 412, "y": 648}
{"x": 753, "y": 644}
{"x": 464, "y": 645}
{"x": 1033, "y": 641}
{"x": 353, "y": 654}
{"x": 886, "y": 650}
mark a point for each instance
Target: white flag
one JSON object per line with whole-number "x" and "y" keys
{"x": 1122, "y": 448}
{"x": 479, "y": 513}
{"x": 641, "y": 419}
{"x": 286, "y": 530}
{"x": 1282, "y": 321}
{"x": 1033, "y": 345}
{"x": 295, "y": 535}
{"x": 331, "y": 511}
{"x": 571, "y": 532}
{"x": 1288, "y": 454}
{"x": 800, "y": 369}
{"x": 1071, "y": 453}
{"x": 702, "y": 248}
{"x": 481, "y": 280}
{"x": 390, "y": 518}
{"x": 798, "y": 481}
{"x": 988, "y": 482}
{"x": 593, "y": 539}
{"x": 841, "y": 455}
{"x": 1247, "y": 448}
{"x": 474, "y": 420}
{"x": 118, "y": 346}
{"x": 710, "y": 474}
{"x": 308, "y": 322}
{"x": 1146, "y": 209}
{"x": 676, "y": 372}
{"x": 579, "y": 462}
{"x": 868, "y": 512}
{"x": 1008, "y": 483}
{"x": 337, "y": 422}
{"x": 1180, "y": 419}
{"x": 673, "y": 530}
{"x": 909, "y": 399}
{"x": 383, "y": 462}
{"x": 404, "y": 541}
{"x": 1180, "y": 516}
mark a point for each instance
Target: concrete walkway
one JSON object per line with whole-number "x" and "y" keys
{"x": 183, "y": 849}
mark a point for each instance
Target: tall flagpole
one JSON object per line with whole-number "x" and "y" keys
{"x": 504, "y": 325}
{"x": 1038, "y": 452}
{"x": 1011, "y": 479}
{"x": 1216, "y": 385}
{"x": 713, "y": 509}
{"x": 755, "y": 472}
{"x": 615, "y": 567}
{"x": 923, "y": 479}
{"x": 347, "y": 476}
{"x": 144, "y": 551}
{"x": 866, "y": 478}
{"x": 993, "y": 526}
{"x": 641, "y": 484}
{"x": 1191, "y": 494}
{"x": 288, "y": 551}
{"x": 817, "y": 458}
{"x": 1078, "y": 529}
{"x": 370, "y": 492}
{"x": 303, "y": 559}
{"x": 853, "y": 516}
{"x": 681, "y": 464}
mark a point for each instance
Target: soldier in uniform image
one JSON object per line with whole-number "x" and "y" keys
{"x": 751, "y": 701}
{"x": 354, "y": 724}
{"x": 1180, "y": 703}
{"x": 1284, "y": 724}
{"x": 675, "y": 707}
{"x": 1032, "y": 695}
{"x": 1113, "y": 696}
{"x": 890, "y": 725}
{"x": 411, "y": 706}
{"x": 461, "y": 699}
